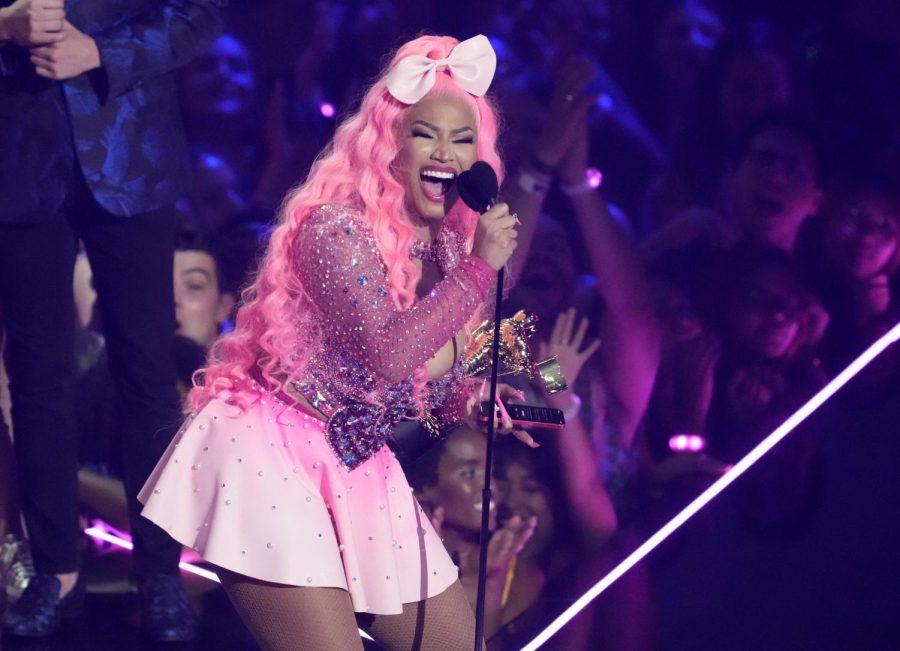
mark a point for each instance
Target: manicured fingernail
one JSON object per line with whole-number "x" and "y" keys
{"x": 535, "y": 444}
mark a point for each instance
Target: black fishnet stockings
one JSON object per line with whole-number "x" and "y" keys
{"x": 291, "y": 618}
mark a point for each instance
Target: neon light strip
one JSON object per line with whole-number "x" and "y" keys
{"x": 719, "y": 485}
{"x": 100, "y": 533}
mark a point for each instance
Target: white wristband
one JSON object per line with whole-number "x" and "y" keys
{"x": 533, "y": 182}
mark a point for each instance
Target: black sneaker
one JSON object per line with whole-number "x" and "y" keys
{"x": 39, "y": 611}
{"x": 166, "y": 614}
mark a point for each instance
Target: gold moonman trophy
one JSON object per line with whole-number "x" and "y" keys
{"x": 515, "y": 352}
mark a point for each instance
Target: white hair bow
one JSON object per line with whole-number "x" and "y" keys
{"x": 471, "y": 63}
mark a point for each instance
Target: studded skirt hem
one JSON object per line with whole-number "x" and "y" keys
{"x": 258, "y": 491}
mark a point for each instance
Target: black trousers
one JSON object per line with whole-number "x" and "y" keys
{"x": 131, "y": 258}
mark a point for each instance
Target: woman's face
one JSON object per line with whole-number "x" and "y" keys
{"x": 774, "y": 188}
{"x": 220, "y": 81}
{"x": 546, "y": 285}
{"x": 520, "y": 492}
{"x": 755, "y": 82}
{"x": 862, "y": 237}
{"x": 766, "y": 316}
{"x": 460, "y": 475}
{"x": 200, "y": 307}
{"x": 685, "y": 38}
{"x": 214, "y": 195}
{"x": 677, "y": 313}
{"x": 438, "y": 141}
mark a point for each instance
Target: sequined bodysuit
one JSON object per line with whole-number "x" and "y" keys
{"x": 363, "y": 376}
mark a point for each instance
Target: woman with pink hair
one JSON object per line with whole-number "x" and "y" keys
{"x": 281, "y": 477}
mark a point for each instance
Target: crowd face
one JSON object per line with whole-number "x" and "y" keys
{"x": 680, "y": 320}
{"x": 214, "y": 195}
{"x": 774, "y": 187}
{"x": 754, "y": 82}
{"x": 460, "y": 481}
{"x": 766, "y": 315}
{"x": 438, "y": 141}
{"x": 546, "y": 285}
{"x": 862, "y": 238}
{"x": 521, "y": 492}
{"x": 686, "y": 36}
{"x": 200, "y": 306}
{"x": 219, "y": 82}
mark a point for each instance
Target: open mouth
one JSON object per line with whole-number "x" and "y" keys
{"x": 436, "y": 182}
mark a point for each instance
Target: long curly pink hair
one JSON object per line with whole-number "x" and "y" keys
{"x": 275, "y": 331}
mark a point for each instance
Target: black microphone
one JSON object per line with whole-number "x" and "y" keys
{"x": 478, "y": 186}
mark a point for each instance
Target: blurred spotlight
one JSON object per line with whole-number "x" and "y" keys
{"x": 687, "y": 443}
{"x": 327, "y": 109}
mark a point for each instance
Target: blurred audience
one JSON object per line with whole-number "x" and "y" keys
{"x": 699, "y": 229}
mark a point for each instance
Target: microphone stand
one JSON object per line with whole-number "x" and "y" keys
{"x": 488, "y": 471}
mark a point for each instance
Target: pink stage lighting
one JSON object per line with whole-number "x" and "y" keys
{"x": 687, "y": 443}
{"x": 718, "y": 486}
{"x": 327, "y": 109}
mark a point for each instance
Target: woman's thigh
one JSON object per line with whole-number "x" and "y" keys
{"x": 444, "y": 622}
{"x": 293, "y": 618}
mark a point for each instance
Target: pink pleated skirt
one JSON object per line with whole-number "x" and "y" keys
{"x": 258, "y": 491}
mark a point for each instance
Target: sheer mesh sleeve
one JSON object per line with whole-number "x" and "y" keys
{"x": 342, "y": 271}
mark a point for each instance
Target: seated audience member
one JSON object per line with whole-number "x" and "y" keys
{"x": 732, "y": 377}
{"x": 203, "y": 303}
{"x": 448, "y": 482}
{"x": 681, "y": 36}
{"x": 748, "y": 76}
{"x": 616, "y": 383}
{"x": 574, "y": 517}
{"x": 771, "y": 189}
{"x": 217, "y": 93}
{"x": 204, "y": 300}
{"x": 767, "y": 370}
{"x": 563, "y": 34}
{"x": 215, "y": 200}
{"x": 859, "y": 237}
{"x": 672, "y": 441}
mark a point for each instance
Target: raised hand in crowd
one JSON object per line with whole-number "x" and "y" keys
{"x": 592, "y": 511}
{"x": 567, "y": 110}
{"x": 567, "y": 344}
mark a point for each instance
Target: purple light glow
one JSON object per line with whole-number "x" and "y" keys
{"x": 327, "y": 109}
{"x": 102, "y": 531}
{"x": 687, "y": 443}
{"x": 719, "y": 485}
{"x": 594, "y": 177}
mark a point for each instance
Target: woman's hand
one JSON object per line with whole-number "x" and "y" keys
{"x": 684, "y": 464}
{"x": 495, "y": 236}
{"x": 753, "y": 389}
{"x": 566, "y": 113}
{"x": 566, "y": 345}
{"x": 505, "y": 544}
{"x": 694, "y": 370}
{"x": 503, "y": 423}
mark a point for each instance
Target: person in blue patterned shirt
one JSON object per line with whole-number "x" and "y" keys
{"x": 92, "y": 149}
